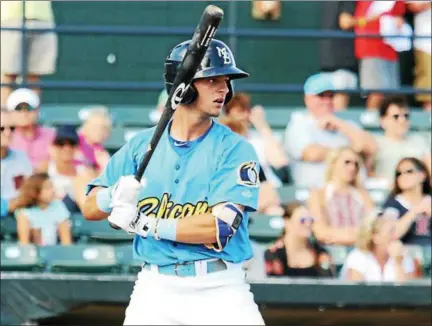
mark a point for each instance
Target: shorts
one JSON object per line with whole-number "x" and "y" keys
{"x": 41, "y": 49}
{"x": 422, "y": 74}
{"x": 343, "y": 79}
{"x": 376, "y": 73}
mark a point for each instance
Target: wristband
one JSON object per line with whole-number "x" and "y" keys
{"x": 165, "y": 229}
{"x": 4, "y": 207}
{"x": 103, "y": 200}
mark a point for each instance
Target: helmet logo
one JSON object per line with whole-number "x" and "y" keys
{"x": 223, "y": 53}
{"x": 178, "y": 95}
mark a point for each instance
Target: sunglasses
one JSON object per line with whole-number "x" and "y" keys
{"x": 398, "y": 116}
{"x": 409, "y": 171}
{"x": 11, "y": 128}
{"x": 350, "y": 162}
{"x": 65, "y": 142}
{"x": 305, "y": 220}
{"x": 24, "y": 107}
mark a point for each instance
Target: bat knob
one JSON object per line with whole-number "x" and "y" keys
{"x": 213, "y": 10}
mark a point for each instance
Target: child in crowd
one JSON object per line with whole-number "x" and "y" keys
{"x": 45, "y": 217}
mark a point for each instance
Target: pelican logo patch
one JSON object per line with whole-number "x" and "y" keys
{"x": 248, "y": 174}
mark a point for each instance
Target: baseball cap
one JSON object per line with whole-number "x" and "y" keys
{"x": 318, "y": 83}
{"x": 20, "y": 96}
{"x": 66, "y": 132}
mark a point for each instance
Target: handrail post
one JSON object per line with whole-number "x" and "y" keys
{"x": 23, "y": 45}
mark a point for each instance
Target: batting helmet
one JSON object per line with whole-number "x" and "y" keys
{"x": 218, "y": 61}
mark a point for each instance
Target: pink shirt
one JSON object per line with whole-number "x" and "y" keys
{"x": 36, "y": 148}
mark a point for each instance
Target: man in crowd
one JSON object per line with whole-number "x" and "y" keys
{"x": 396, "y": 142}
{"x": 30, "y": 137}
{"x": 310, "y": 135}
{"x": 15, "y": 166}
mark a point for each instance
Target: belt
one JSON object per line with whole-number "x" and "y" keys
{"x": 189, "y": 268}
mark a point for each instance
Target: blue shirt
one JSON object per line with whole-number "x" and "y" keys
{"x": 188, "y": 179}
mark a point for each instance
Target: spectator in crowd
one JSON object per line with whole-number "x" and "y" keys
{"x": 396, "y": 143}
{"x": 422, "y": 48}
{"x": 337, "y": 54}
{"x": 271, "y": 155}
{"x": 42, "y": 50}
{"x": 379, "y": 61}
{"x": 269, "y": 199}
{"x": 411, "y": 203}
{"x": 30, "y": 137}
{"x": 68, "y": 178}
{"x": 296, "y": 253}
{"x": 95, "y": 130}
{"x": 45, "y": 217}
{"x": 341, "y": 204}
{"x": 160, "y": 107}
{"x": 15, "y": 167}
{"x": 378, "y": 256}
{"x": 312, "y": 134}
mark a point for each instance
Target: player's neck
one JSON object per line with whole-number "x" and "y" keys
{"x": 188, "y": 125}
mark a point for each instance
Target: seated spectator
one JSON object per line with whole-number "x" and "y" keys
{"x": 68, "y": 177}
{"x": 411, "y": 203}
{"x": 45, "y": 217}
{"x": 296, "y": 254}
{"x": 378, "y": 256}
{"x": 15, "y": 167}
{"x": 396, "y": 142}
{"x": 30, "y": 137}
{"x": 271, "y": 155}
{"x": 341, "y": 204}
{"x": 422, "y": 49}
{"x": 95, "y": 130}
{"x": 269, "y": 199}
{"x": 312, "y": 134}
{"x": 337, "y": 54}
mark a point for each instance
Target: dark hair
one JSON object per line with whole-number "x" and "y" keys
{"x": 31, "y": 188}
{"x": 420, "y": 166}
{"x": 399, "y": 101}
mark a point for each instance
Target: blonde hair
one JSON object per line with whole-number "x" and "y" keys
{"x": 371, "y": 224}
{"x": 331, "y": 160}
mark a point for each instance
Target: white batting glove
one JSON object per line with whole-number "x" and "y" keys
{"x": 124, "y": 201}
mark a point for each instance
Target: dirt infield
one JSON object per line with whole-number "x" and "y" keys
{"x": 113, "y": 315}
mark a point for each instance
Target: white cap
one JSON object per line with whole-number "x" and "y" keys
{"x": 22, "y": 95}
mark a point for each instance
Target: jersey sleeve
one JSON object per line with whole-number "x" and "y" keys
{"x": 237, "y": 178}
{"x": 122, "y": 163}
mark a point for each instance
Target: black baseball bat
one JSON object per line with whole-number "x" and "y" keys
{"x": 204, "y": 33}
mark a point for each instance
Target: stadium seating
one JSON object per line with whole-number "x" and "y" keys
{"x": 15, "y": 257}
{"x": 338, "y": 255}
{"x": 124, "y": 255}
{"x": 8, "y": 227}
{"x": 80, "y": 258}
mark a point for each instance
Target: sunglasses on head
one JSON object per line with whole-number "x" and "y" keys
{"x": 24, "y": 107}
{"x": 307, "y": 219}
{"x": 65, "y": 142}
{"x": 11, "y": 128}
{"x": 409, "y": 171}
{"x": 398, "y": 116}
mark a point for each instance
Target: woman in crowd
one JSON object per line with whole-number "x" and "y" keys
{"x": 45, "y": 217}
{"x": 341, "y": 204}
{"x": 378, "y": 255}
{"x": 296, "y": 253}
{"x": 410, "y": 202}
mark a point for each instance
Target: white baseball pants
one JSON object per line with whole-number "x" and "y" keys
{"x": 220, "y": 298}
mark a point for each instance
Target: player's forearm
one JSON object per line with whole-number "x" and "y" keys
{"x": 90, "y": 209}
{"x": 197, "y": 229}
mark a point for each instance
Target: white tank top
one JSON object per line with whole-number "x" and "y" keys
{"x": 62, "y": 183}
{"x": 344, "y": 210}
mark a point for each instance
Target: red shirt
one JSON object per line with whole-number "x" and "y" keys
{"x": 374, "y": 47}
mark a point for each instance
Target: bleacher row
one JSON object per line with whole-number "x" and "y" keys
{"x": 130, "y": 119}
{"x": 100, "y": 249}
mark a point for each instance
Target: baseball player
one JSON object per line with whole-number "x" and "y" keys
{"x": 190, "y": 211}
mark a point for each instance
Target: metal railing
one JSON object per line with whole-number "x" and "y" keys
{"x": 232, "y": 32}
